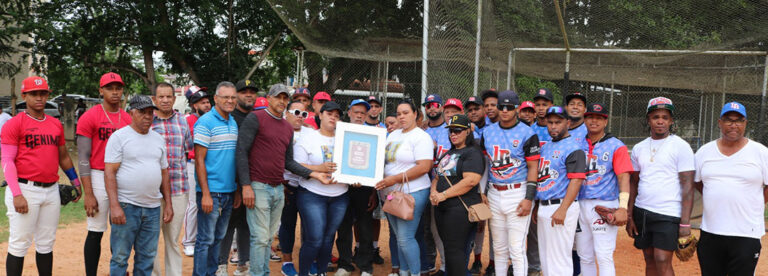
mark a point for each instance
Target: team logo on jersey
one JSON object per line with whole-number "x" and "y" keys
{"x": 595, "y": 170}
{"x": 515, "y": 143}
{"x": 34, "y": 140}
{"x": 547, "y": 175}
{"x": 556, "y": 154}
{"x": 503, "y": 166}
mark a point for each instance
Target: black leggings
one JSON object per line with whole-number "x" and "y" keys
{"x": 454, "y": 229}
{"x": 727, "y": 255}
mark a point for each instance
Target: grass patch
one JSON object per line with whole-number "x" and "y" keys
{"x": 72, "y": 213}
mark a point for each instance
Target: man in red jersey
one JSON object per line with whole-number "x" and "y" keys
{"x": 201, "y": 104}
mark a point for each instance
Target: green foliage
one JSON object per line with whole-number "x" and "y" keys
{"x": 527, "y": 87}
{"x": 15, "y": 22}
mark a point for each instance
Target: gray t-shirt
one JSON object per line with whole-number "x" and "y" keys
{"x": 142, "y": 158}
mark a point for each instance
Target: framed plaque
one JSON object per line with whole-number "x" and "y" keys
{"x": 359, "y": 154}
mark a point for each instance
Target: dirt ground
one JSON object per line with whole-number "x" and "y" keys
{"x": 68, "y": 259}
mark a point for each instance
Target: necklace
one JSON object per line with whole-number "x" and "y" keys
{"x": 119, "y": 116}
{"x": 655, "y": 151}
{"x": 35, "y": 118}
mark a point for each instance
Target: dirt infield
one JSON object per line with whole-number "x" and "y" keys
{"x": 68, "y": 259}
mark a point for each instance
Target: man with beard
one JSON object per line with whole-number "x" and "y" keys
{"x": 373, "y": 114}
{"x": 200, "y": 104}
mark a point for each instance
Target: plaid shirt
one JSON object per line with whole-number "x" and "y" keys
{"x": 178, "y": 141}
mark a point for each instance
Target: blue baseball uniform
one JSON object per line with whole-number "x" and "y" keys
{"x": 542, "y": 132}
{"x": 606, "y": 159}
{"x": 560, "y": 161}
{"x": 440, "y": 135}
{"x": 579, "y": 132}
{"x": 509, "y": 149}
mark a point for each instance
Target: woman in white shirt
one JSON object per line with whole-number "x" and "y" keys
{"x": 321, "y": 207}
{"x": 409, "y": 157}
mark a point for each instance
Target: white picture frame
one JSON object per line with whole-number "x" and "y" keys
{"x": 359, "y": 154}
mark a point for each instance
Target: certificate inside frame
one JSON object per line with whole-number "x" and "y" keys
{"x": 359, "y": 154}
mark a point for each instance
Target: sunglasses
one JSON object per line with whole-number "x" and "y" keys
{"x": 456, "y": 130}
{"x": 506, "y": 107}
{"x": 433, "y": 105}
{"x": 298, "y": 113}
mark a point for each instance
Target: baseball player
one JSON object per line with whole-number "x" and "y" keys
{"x": 542, "y": 101}
{"x": 93, "y": 130}
{"x": 32, "y": 151}
{"x": 661, "y": 189}
{"x": 576, "y": 105}
{"x": 513, "y": 149}
{"x": 607, "y": 184}
{"x": 562, "y": 169}
{"x": 490, "y": 99}
{"x": 200, "y": 104}
{"x": 527, "y": 112}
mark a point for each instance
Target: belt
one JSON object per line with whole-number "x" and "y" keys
{"x": 284, "y": 182}
{"x": 35, "y": 183}
{"x": 552, "y": 201}
{"x": 505, "y": 187}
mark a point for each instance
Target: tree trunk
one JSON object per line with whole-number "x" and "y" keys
{"x": 149, "y": 66}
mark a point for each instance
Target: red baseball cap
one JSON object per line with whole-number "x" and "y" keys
{"x": 454, "y": 102}
{"x": 301, "y": 91}
{"x": 261, "y": 103}
{"x": 322, "y": 95}
{"x": 34, "y": 83}
{"x": 110, "y": 78}
{"x": 527, "y": 104}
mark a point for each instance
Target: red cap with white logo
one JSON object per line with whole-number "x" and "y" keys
{"x": 34, "y": 83}
{"x": 454, "y": 102}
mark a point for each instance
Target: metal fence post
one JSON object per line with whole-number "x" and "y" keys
{"x": 761, "y": 119}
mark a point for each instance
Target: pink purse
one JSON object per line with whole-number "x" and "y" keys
{"x": 399, "y": 203}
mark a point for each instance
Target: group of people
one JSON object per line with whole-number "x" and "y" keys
{"x": 253, "y": 166}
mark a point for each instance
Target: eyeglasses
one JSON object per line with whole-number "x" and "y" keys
{"x": 298, "y": 113}
{"x": 506, "y": 107}
{"x": 433, "y": 105}
{"x": 456, "y": 130}
{"x": 227, "y": 98}
{"x": 729, "y": 122}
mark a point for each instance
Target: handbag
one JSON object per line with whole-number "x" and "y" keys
{"x": 399, "y": 203}
{"x": 477, "y": 212}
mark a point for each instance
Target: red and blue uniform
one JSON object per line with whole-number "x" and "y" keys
{"x": 561, "y": 160}
{"x": 440, "y": 135}
{"x": 542, "y": 132}
{"x": 509, "y": 149}
{"x": 606, "y": 159}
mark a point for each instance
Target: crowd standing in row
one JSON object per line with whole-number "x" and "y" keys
{"x": 253, "y": 166}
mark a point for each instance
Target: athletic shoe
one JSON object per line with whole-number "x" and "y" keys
{"x": 274, "y": 257}
{"x": 534, "y": 273}
{"x": 189, "y": 250}
{"x": 393, "y": 274}
{"x": 490, "y": 270}
{"x": 342, "y": 272}
{"x": 366, "y": 273}
{"x": 377, "y": 259}
{"x": 439, "y": 273}
{"x": 235, "y": 258}
{"x": 313, "y": 269}
{"x": 509, "y": 271}
{"x": 242, "y": 270}
{"x": 222, "y": 271}
{"x": 477, "y": 266}
{"x": 289, "y": 269}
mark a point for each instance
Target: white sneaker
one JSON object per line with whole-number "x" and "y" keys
{"x": 222, "y": 271}
{"x": 189, "y": 250}
{"x": 393, "y": 274}
{"x": 242, "y": 270}
{"x": 342, "y": 272}
{"x": 365, "y": 273}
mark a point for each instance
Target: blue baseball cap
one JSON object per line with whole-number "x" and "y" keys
{"x": 433, "y": 98}
{"x": 734, "y": 107}
{"x": 557, "y": 111}
{"x": 360, "y": 101}
{"x": 508, "y": 97}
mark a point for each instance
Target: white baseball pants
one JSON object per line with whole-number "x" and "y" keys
{"x": 556, "y": 243}
{"x": 597, "y": 239}
{"x": 509, "y": 230}
{"x": 38, "y": 224}
{"x": 190, "y": 216}
{"x": 100, "y": 221}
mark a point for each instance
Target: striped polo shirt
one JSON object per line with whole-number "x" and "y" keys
{"x": 219, "y": 135}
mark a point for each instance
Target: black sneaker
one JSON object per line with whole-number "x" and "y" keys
{"x": 509, "y": 271}
{"x": 490, "y": 270}
{"x": 377, "y": 259}
{"x": 477, "y": 266}
{"x": 439, "y": 273}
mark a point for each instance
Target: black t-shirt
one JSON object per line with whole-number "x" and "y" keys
{"x": 453, "y": 165}
{"x": 239, "y": 116}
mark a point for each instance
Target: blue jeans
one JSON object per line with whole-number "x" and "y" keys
{"x": 410, "y": 255}
{"x": 211, "y": 228}
{"x": 140, "y": 233}
{"x": 263, "y": 220}
{"x": 287, "y": 233}
{"x": 320, "y": 217}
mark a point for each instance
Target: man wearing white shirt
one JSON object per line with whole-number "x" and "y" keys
{"x": 661, "y": 190}
{"x": 731, "y": 174}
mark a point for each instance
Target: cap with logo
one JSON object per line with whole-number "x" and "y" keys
{"x": 360, "y": 101}
{"x": 331, "y": 106}
{"x": 322, "y": 95}
{"x": 544, "y": 93}
{"x": 195, "y": 94}
{"x": 734, "y": 107}
{"x": 490, "y": 93}
{"x": 261, "y": 103}
{"x": 301, "y": 91}
{"x": 660, "y": 103}
{"x": 596, "y": 109}
{"x": 373, "y": 98}
{"x": 278, "y": 89}
{"x": 508, "y": 97}
{"x": 575, "y": 95}
{"x": 140, "y": 102}
{"x": 454, "y": 102}
{"x": 557, "y": 111}
{"x": 110, "y": 77}
{"x": 527, "y": 104}
{"x": 433, "y": 98}
{"x": 34, "y": 83}
{"x": 459, "y": 120}
{"x": 244, "y": 84}
{"x": 474, "y": 100}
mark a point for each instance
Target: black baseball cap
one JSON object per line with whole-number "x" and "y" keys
{"x": 596, "y": 109}
{"x": 544, "y": 94}
{"x": 474, "y": 100}
{"x": 331, "y": 106}
{"x": 140, "y": 102}
{"x": 490, "y": 93}
{"x": 508, "y": 97}
{"x": 575, "y": 95}
{"x": 243, "y": 84}
{"x": 459, "y": 120}
{"x": 195, "y": 94}
{"x": 373, "y": 98}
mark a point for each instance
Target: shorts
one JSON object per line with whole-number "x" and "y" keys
{"x": 655, "y": 230}
{"x": 100, "y": 221}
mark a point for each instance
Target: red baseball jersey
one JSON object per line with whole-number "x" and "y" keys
{"x": 38, "y": 142}
{"x": 96, "y": 125}
{"x": 191, "y": 120}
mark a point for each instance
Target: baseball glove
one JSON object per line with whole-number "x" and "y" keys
{"x": 607, "y": 214}
{"x": 686, "y": 247}
{"x": 68, "y": 193}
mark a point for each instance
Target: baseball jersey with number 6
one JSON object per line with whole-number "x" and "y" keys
{"x": 606, "y": 159}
